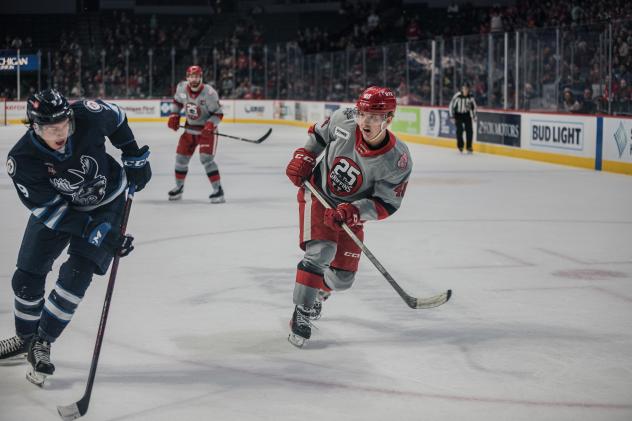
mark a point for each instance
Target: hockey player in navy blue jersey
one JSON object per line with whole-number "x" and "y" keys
{"x": 75, "y": 192}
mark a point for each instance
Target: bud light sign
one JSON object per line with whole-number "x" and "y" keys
{"x": 9, "y": 62}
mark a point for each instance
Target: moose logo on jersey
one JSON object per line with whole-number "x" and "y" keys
{"x": 87, "y": 187}
{"x": 345, "y": 177}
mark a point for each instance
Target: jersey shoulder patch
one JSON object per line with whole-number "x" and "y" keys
{"x": 92, "y": 106}
{"x": 11, "y": 166}
{"x": 401, "y": 156}
{"x": 346, "y": 113}
{"x": 340, "y": 125}
{"x": 181, "y": 92}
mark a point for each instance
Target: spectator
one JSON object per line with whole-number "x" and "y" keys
{"x": 373, "y": 21}
{"x": 571, "y": 105}
{"x": 496, "y": 21}
{"x": 588, "y": 105}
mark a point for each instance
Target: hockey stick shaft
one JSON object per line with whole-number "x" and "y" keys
{"x": 411, "y": 301}
{"x": 243, "y": 139}
{"x": 79, "y": 408}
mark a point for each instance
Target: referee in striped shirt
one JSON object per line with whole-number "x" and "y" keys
{"x": 462, "y": 111}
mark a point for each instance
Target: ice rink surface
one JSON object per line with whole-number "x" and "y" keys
{"x": 539, "y": 258}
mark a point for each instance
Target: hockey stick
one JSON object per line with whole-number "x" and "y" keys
{"x": 79, "y": 408}
{"x": 413, "y": 302}
{"x": 243, "y": 139}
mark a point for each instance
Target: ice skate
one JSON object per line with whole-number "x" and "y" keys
{"x": 12, "y": 350}
{"x": 318, "y": 304}
{"x": 301, "y": 327}
{"x": 217, "y": 196}
{"x": 176, "y": 193}
{"x": 39, "y": 359}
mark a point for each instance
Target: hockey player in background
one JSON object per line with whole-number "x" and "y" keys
{"x": 363, "y": 174}
{"x": 203, "y": 113}
{"x": 76, "y": 194}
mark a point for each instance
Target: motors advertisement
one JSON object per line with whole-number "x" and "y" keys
{"x": 407, "y": 120}
{"x": 617, "y": 139}
{"x": 498, "y": 128}
{"x": 568, "y": 135}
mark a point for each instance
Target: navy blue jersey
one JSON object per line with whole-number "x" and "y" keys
{"x": 61, "y": 188}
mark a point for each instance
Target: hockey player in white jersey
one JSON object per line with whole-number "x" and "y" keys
{"x": 203, "y": 114}
{"x": 363, "y": 174}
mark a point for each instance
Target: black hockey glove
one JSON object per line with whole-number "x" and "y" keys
{"x": 137, "y": 167}
{"x": 100, "y": 234}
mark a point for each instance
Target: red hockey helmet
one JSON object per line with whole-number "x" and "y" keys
{"x": 194, "y": 70}
{"x": 376, "y": 99}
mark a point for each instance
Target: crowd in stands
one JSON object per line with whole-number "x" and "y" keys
{"x": 324, "y": 62}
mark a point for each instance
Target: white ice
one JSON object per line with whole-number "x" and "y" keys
{"x": 539, "y": 258}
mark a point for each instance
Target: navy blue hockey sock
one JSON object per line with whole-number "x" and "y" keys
{"x": 75, "y": 276}
{"x": 28, "y": 289}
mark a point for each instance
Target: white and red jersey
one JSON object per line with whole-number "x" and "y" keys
{"x": 374, "y": 180}
{"x": 199, "y": 107}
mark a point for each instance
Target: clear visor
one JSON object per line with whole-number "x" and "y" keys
{"x": 61, "y": 128}
{"x": 366, "y": 117}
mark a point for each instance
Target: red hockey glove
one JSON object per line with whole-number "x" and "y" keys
{"x": 344, "y": 212}
{"x": 208, "y": 130}
{"x": 174, "y": 122}
{"x": 301, "y": 166}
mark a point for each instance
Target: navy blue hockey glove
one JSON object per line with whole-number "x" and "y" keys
{"x": 100, "y": 234}
{"x": 137, "y": 167}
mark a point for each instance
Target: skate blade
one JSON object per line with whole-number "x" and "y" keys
{"x": 176, "y": 197}
{"x": 15, "y": 360}
{"x": 297, "y": 341}
{"x": 218, "y": 200}
{"x": 36, "y": 377}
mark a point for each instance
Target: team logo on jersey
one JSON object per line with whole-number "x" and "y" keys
{"x": 403, "y": 161}
{"x": 93, "y": 106}
{"x": 87, "y": 187}
{"x": 11, "y": 166}
{"x": 192, "y": 111}
{"x": 342, "y": 133}
{"x": 50, "y": 168}
{"x": 345, "y": 177}
{"x": 349, "y": 113}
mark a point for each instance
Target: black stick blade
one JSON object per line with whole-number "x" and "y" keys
{"x": 265, "y": 136}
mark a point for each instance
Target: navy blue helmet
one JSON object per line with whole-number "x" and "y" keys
{"x": 48, "y": 107}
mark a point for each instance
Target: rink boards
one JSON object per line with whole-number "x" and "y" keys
{"x": 585, "y": 141}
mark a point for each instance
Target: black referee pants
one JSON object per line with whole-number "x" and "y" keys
{"x": 463, "y": 122}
